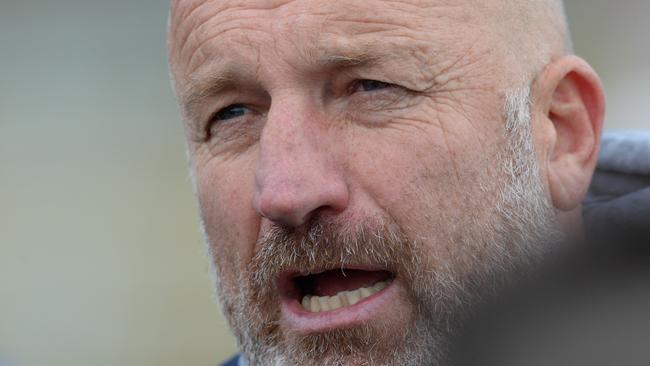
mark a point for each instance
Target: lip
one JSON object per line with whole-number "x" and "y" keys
{"x": 290, "y": 274}
{"x": 305, "y": 322}
{"x": 287, "y": 289}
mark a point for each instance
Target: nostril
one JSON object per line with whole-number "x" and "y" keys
{"x": 280, "y": 208}
{"x": 294, "y": 207}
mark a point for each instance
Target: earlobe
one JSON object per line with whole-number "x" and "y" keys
{"x": 575, "y": 107}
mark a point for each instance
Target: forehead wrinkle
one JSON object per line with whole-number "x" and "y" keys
{"x": 192, "y": 32}
{"x": 222, "y": 23}
{"x": 197, "y": 21}
{"x": 331, "y": 52}
{"x": 180, "y": 20}
{"x": 204, "y": 24}
{"x": 243, "y": 43}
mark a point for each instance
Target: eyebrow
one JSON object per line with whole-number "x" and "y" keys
{"x": 210, "y": 85}
{"x": 225, "y": 76}
{"x": 343, "y": 60}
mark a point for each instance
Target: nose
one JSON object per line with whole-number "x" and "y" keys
{"x": 298, "y": 172}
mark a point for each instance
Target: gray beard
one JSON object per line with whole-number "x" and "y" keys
{"x": 525, "y": 229}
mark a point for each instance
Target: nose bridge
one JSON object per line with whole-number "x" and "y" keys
{"x": 297, "y": 173}
{"x": 291, "y": 133}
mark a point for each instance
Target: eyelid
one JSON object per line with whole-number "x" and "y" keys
{"x": 213, "y": 120}
{"x": 394, "y": 96}
{"x": 213, "y": 117}
{"x": 391, "y": 91}
{"x": 213, "y": 126}
{"x": 357, "y": 84}
{"x": 230, "y": 106}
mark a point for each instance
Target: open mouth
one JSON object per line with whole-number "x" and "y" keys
{"x": 336, "y": 288}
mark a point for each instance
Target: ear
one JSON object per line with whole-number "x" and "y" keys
{"x": 573, "y": 107}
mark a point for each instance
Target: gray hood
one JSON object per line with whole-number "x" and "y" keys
{"x": 619, "y": 194}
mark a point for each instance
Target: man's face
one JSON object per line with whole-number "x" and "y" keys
{"x": 351, "y": 164}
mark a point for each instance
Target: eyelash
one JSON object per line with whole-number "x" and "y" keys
{"x": 373, "y": 85}
{"x": 219, "y": 114}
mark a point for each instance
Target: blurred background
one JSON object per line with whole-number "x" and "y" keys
{"x": 101, "y": 260}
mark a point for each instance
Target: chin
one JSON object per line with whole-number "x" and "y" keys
{"x": 384, "y": 328}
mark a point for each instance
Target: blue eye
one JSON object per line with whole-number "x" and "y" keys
{"x": 230, "y": 112}
{"x": 370, "y": 85}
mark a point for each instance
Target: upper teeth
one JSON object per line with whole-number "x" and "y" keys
{"x": 326, "y": 303}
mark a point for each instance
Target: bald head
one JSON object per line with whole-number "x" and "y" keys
{"x": 533, "y": 32}
{"x": 536, "y": 30}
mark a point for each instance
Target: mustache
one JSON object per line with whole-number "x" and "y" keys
{"x": 326, "y": 245}
{"x": 329, "y": 245}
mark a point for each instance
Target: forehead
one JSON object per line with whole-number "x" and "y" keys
{"x": 301, "y": 30}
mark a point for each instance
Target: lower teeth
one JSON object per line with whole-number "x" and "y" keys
{"x": 316, "y": 304}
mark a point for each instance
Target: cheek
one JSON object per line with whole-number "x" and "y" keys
{"x": 436, "y": 182}
{"x": 225, "y": 200}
